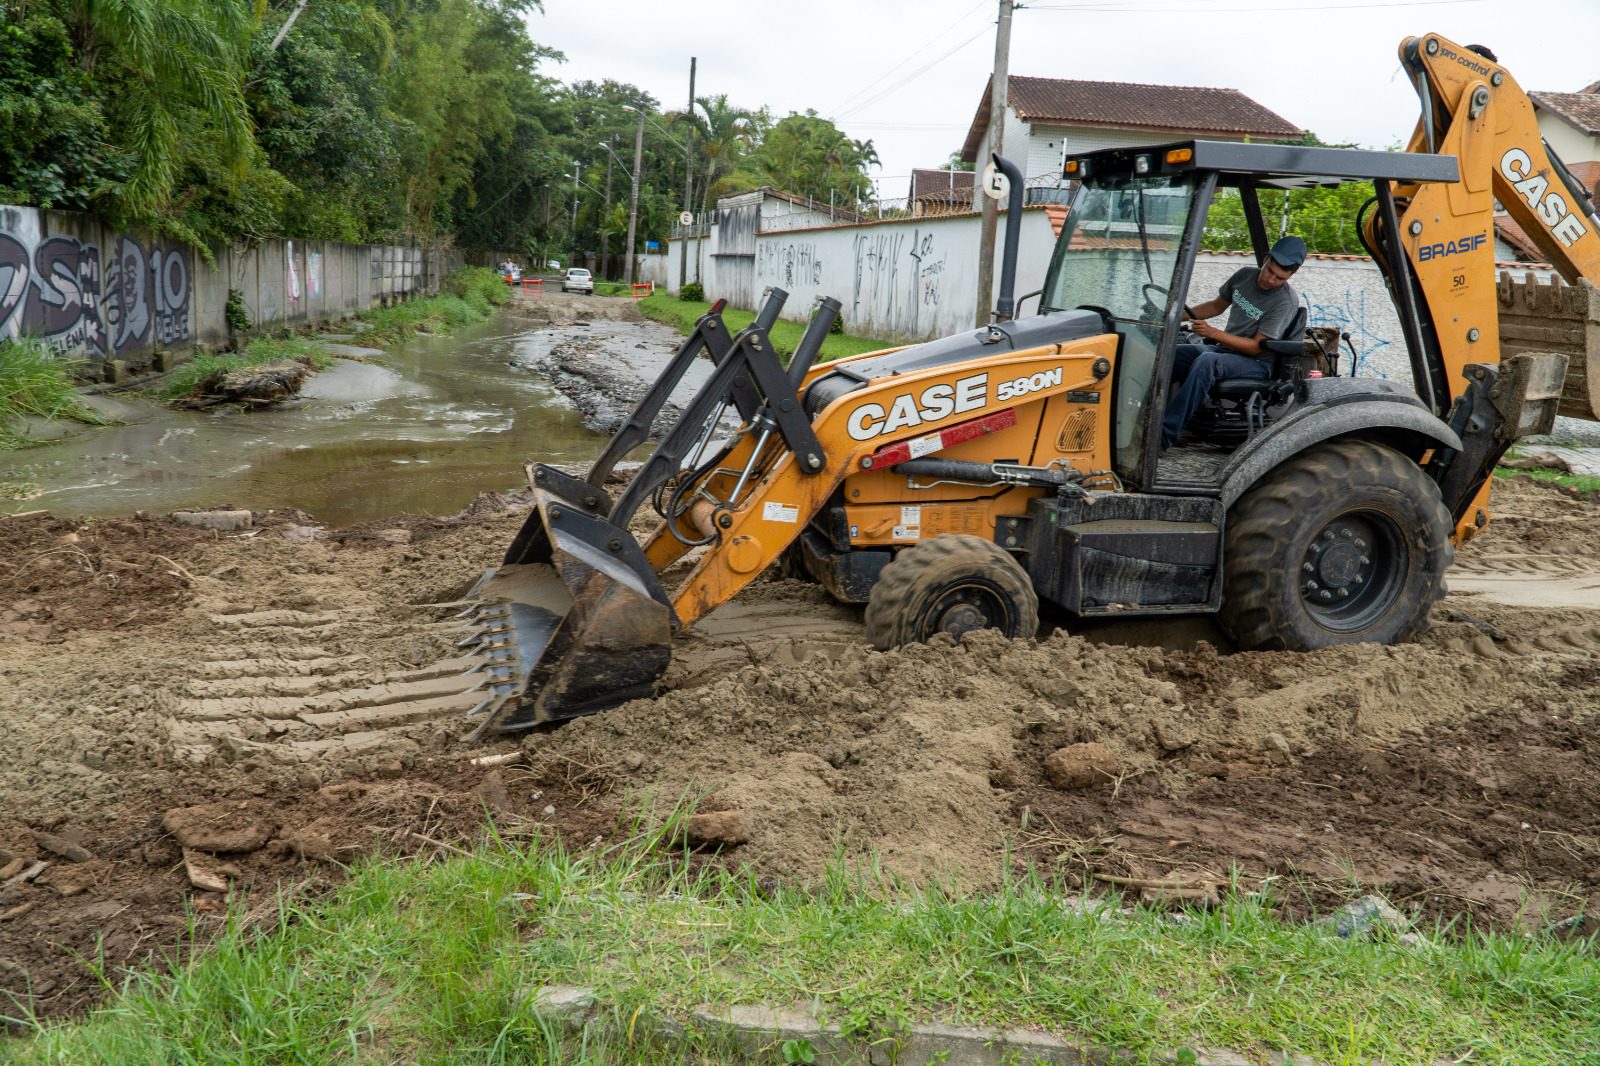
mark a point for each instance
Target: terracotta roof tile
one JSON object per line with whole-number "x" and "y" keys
{"x": 1580, "y": 109}
{"x": 954, "y": 186}
{"x": 1162, "y": 109}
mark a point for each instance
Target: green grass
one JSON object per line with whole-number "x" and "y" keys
{"x": 467, "y": 296}
{"x": 189, "y": 377}
{"x": 681, "y": 315}
{"x": 35, "y": 382}
{"x": 1583, "y": 483}
{"x": 436, "y": 963}
{"x": 1586, "y": 484}
{"x": 610, "y": 288}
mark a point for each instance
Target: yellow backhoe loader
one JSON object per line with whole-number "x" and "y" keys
{"x": 952, "y": 485}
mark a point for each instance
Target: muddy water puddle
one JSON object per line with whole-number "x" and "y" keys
{"x": 422, "y": 430}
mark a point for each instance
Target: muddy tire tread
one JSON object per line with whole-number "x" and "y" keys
{"x": 890, "y": 607}
{"x": 1255, "y": 609}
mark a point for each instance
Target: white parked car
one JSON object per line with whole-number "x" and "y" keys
{"x": 577, "y": 279}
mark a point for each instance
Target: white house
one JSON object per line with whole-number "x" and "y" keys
{"x": 1048, "y": 118}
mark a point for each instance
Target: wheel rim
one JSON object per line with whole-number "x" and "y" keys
{"x": 959, "y": 609}
{"x": 1353, "y": 570}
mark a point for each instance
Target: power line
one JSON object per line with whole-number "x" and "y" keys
{"x": 895, "y": 87}
{"x": 913, "y": 55}
{"x": 1095, "y": 8}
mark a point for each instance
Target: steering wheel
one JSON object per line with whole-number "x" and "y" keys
{"x": 1151, "y": 307}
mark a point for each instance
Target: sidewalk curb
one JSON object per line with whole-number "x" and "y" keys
{"x": 761, "y": 1033}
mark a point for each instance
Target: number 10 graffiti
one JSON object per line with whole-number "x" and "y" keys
{"x": 54, "y": 291}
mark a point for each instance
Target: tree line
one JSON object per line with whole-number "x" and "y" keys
{"x": 368, "y": 121}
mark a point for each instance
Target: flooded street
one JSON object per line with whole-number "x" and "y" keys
{"x": 422, "y": 430}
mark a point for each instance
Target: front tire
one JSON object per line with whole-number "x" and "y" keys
{"x": 1346, "y": 543}
{"x": 951, "y": 584}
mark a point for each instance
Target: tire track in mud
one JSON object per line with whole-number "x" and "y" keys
{"x": 1525, "y": 579}
{"x": 278, "y": 693}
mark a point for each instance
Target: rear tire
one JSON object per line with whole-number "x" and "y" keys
{"x": 951, "y": 584}
{"x": 1344, "y": 544}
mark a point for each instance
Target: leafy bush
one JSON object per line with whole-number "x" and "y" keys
{"x": 33, "y": 381}
{"x": 236, "y": 312}
{"x": 692, "y": 291}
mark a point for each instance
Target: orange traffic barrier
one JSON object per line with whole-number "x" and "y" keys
{"x": 536, "y": 284}
{"x": 641, "y": 289}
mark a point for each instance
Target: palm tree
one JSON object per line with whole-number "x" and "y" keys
{"x": 172, "y": 62}
{"x": 727, "y": 135}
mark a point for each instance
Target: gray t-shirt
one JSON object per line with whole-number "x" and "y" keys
{"x": 1252, "y": 311}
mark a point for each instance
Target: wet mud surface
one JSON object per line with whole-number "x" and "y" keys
{"x": 203, "y": 718}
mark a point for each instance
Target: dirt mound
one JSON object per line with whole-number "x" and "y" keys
{"x": 309, "y": 681}
{"x": 561, "y": 308}
{"x": 58, "y": 575}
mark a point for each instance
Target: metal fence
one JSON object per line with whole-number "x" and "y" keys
{"x": 778, "y": 215}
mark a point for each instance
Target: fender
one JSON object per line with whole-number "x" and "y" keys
{"x": 1317, "y": 422}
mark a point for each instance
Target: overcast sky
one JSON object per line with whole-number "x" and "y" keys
{"x": 909, "y": 73}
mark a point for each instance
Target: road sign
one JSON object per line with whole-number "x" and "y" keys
{"x": 995, "y": 184}
{"x": 686, "y": 219}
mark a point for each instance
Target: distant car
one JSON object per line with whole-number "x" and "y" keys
{"x": 511, "y": 272}
{"x": 577, "y": 279}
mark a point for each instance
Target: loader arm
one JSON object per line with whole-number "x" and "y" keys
{"x": 749, "y": 533}
{"x": 1441, "y": 268}
{"x": 1474, "y": 109}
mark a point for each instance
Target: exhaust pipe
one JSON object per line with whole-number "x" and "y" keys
{"x": 1006, "y": 305}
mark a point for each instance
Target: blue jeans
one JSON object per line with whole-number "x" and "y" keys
{"x": 1199, "y": 368}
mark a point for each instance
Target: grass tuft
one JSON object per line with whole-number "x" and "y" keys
{"x": 440, "y": 962}
{"x": 682, "y": 315}
{"x": 35, "y": 382}
{"x": 467, "y": 296}
{"x": 191, "y": 377}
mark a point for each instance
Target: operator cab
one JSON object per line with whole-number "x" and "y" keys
{"x": 1128, "y": 251}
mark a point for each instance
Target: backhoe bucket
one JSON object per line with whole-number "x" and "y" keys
{"x": 574, "y": 621}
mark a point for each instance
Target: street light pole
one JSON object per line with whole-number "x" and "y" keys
{"x": 577, "y": 188}
{"x": 605, "y": 233}
{"x": 633, "y": 198}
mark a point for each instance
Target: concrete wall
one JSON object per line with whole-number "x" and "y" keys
{"x": 909, "y": 279}
{"x": 99, "y": 295}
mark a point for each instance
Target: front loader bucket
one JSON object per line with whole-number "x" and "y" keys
{"x": 573, "y": 621}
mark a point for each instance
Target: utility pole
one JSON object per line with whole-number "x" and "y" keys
{"x": 688, "y": 182}
{"x": 998, "y": 87}
{"x": 577, "y": 189}
{"x": 633, "y": 198}
{"x": 605, "y": 235}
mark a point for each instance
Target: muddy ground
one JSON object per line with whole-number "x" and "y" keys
{"x": 251, "y": 708}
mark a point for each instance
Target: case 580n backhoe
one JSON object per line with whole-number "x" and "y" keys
{"x": 954, "y": 484}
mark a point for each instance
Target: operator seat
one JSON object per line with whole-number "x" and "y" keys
{"x": 1242, "y": 407}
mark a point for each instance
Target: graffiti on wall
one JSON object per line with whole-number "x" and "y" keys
{"x": 1349, "y": 314}
{"x": 53, "y": 288}
{"x": 876, "y": 292}
{"x": 882, "y": 260}
{"x": 929, "y": 276}
{"x": 147, "y": 295}
{"x": 789, "y": 263}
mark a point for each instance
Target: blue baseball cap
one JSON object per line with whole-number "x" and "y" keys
{"x": 1289, "y": 252}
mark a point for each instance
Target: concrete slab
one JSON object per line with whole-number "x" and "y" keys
{"x": 351, "y": 351}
